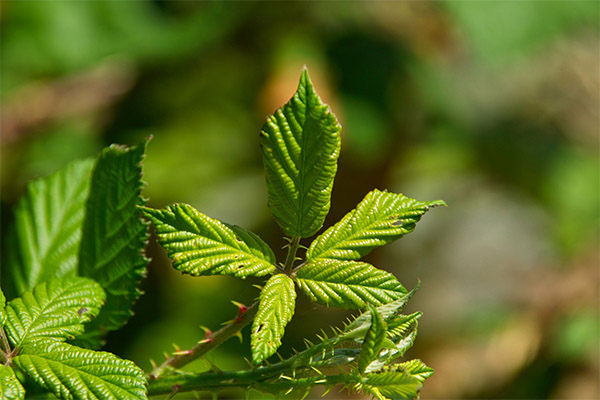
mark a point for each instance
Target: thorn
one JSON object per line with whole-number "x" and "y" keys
{"x": 238, "y": 335}
{"x": 282, "y": 376}
{"x": 288, "y": 391}
{"x": 316, "y": 370}
{"x": 279, "y": 356}
{"x": 183, "y": 352}
{"x": 153, "y": 364}
{"x": 242, "y": 309}
{"x": 177, "y": 348}
{"x": 167, "y": 356}
{"x": 258, "y": 287}
{"x": 327, "y": 390}
{"x": 321, "y": 381}
{"x": 249, "y": 363}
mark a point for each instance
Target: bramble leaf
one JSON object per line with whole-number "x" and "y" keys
{"x": 10, "y": 387}
{"x": 55, "y": 310}
{"x": 301, "y": 145}
{"x": 200, "y": 245}
{"x": 47, "y": 230}
{"x": 2, "y": 305}
{"x": 392, "y": 385}
{"x": 71, "y": 372}
{"x": 275, "y": 310}
{"x": 348, "y": 284}
{"x": 416, "y": 368}
{"x": 378, "y": 219}
{"x": 114, "y": 234}
{"x": 373, "y": 341}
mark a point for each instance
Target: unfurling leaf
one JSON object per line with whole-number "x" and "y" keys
{"x": 301, "y": 145}
{"x": 416, "y": 368}
{"x": 348, "y": 284}
{"x": 54, "y": 310}
{"x": 71, "y": 372}
{"x": 392, "y": 385}
{"x": 378, "y": 219}
{"x": 199, "y": 245}
{"x": 114, "y": 235}
{"x": 10, "y": 387}
{"x": 47, "y": 230}
{"x": 275, "y": 310}
{"x": 373, "y": 341}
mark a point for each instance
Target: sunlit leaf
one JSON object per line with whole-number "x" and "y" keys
{"x": 301, "y": 145}
{"x": 276, "y": 308}
{"x": 415, "y": 368}
{"x": 392, "y": 385}
{"x": 200, "y": 245}
{"x": 71, "y": 372}
{"x": 55, "y": 309}
{"x": 10, "y": 387}
{"x": 348, "y": 284}
{"x": 378, "y": 219}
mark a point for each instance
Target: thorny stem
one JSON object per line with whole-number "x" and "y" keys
{"x": 204, "y": 346}
{"x": 6, "y": 351}
{"x": 291, "y": 255}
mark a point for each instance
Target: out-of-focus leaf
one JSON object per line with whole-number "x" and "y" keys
{"x": 10, "y": 387}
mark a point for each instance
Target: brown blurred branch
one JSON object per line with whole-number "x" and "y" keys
{"x": 42, "y": 102}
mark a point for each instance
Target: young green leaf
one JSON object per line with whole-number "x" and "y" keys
{"x": 392, "y": 385}
{"x": 373, "y": 341}
{"x": 10, "y": 387}
{"x": 2, "y": 305}
{"x": 47, "y": 231}
{"x": 199, "y": 245}
{"x": 55, "y": 310}
{"x": 301, "y": 145}
{"x": 348, "y": 284}
{"x": 415, "y": 368}
{"x": 378, "y": 219}
{"x": 114, "y": 235}
{"x": 71, "y": 372}
{"x": 275, "y": 310}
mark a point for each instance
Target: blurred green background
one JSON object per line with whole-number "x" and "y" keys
{"x": 492, "y": 106}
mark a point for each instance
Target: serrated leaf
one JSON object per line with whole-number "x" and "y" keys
{"x": 54, "y": 310}
{"x": 348, "y": 284}
{"x": 200, "y": 245}
{"x": 393, "y": 385}
{"x": 415, "y": 368}
{"x": 373, "y": 341}
{"x": 275, "y": 310}
{"x": 47, "y": 231}
{"x": 114, "y": 234}
{"x": 379, "y": 218}
{"x": 70, "y": 372}
{"x": 301, "y": 145}
{"x": 10, "y": 387}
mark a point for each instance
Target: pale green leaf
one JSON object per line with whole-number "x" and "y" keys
{"x": 10, "y": 387}
{"x": 71, "y": 372}
{"x": 47, "y": 230}
{"x": 416, "y": 368}
{"x": 2, "y": 312}
{"x": 114, "y": 234}
{"x": 301, "y": 145}
{"x": 392, "y": 385}
{"x": 373, "y": 341}
{"x": 348, "y": 284}
{"x": 378, "y": 219}
{"x": 55, "y": 310}
{"x": 199, "y": 245}
{"x": 275, "y": 310}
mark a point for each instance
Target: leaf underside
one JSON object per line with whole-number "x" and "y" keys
{"x": 380, "y": 218}
{"x": 47, "y": 230}
{"x": 348, "y": 284}
{"x": 10, "y": 387}
{"x": 114, "y": 234}
{"x": 300, "y": 144}
{"x": 55, "y": 310}
{"x": 276, "y": 308}
{"x": 200, "y": 245}
{"x": 71, "y": 372}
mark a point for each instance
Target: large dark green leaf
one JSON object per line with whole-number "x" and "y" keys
{"x": 114, "y": 234}
{"x": 301, "y": 145}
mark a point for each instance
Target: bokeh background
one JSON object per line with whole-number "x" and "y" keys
{"x": 492, "y": 106}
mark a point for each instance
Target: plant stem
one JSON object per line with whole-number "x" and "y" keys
{"x": 291, "y": 255}
{"x": 212, "y": 341}
{"x": 6, "y": 350}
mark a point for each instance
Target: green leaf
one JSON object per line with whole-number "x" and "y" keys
{"x": 56, "y": 310}
{"x": 373, "y": 341}
{"x": 301, "y": 145}
{"x": 114, "y": 235}
{"x": 2, "y": 305}
{"x": 47, "y": 230}
{"x": 199, "y": 245}
{"x": 415, "y": 368}
{"x": 276, "y": 308}
{"x": 10, "y": 387}
{"x": 379, "y": 218}
{"x": 348, "y": 284}
{"x": 71, "y": 372}
{"x": 394, "y": 385}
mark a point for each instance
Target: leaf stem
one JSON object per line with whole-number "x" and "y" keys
{"x": 6, "y": 350}
{"x": 204, "y": 346}
{"x": 291, "y": 255}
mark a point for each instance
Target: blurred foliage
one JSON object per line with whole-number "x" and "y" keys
{"x": 492, "y": 106}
